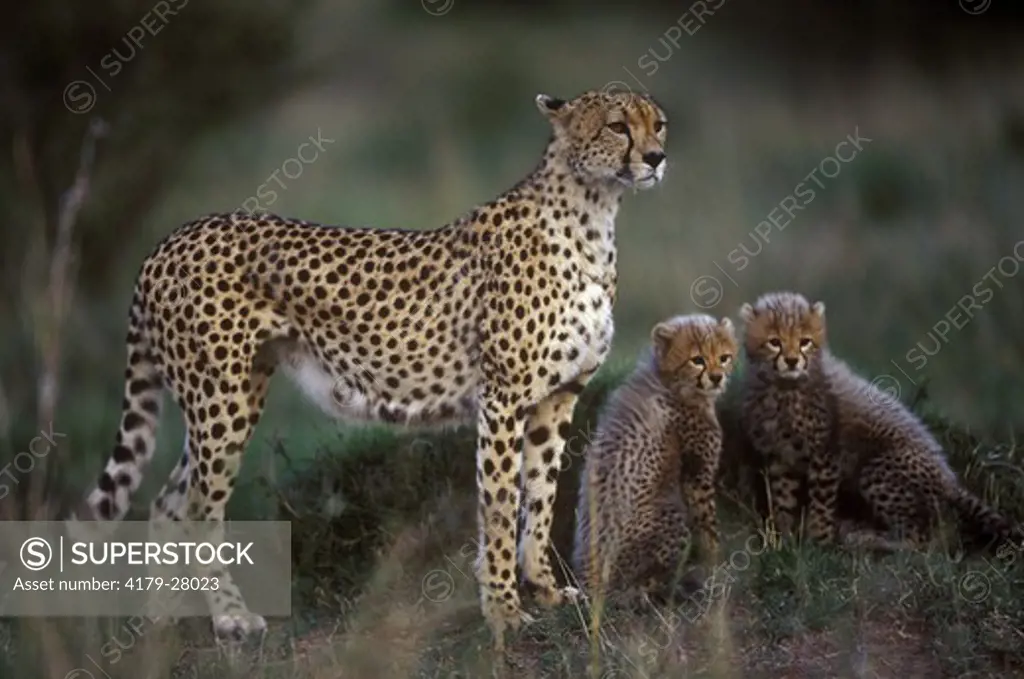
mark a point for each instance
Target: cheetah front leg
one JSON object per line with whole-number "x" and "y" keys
{"x": 699, "y": 490}
{"x": 783, "y": 489}
{"x": 500, "y": 424}
{"x": 548, "y": 429}
{"x": 823, "y": 490}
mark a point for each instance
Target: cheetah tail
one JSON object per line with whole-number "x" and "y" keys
{"x": 981, "y": 521}
{"x": 136, "y": 438}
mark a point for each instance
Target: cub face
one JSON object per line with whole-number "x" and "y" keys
{"x": 610, "y": 137}
{"x": 783, "y": 334}
{"x": 694, "y": 353}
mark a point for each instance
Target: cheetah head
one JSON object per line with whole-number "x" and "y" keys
{"x": 609, "y": 137}
{"x": 694, "y": 353}
{"x": 784, "y": 334}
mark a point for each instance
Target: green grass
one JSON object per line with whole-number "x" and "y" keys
{"x": 383, "y": 519}
{"x": 383, "y": 542}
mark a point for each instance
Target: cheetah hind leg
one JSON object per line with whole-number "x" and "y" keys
{"x": 681, "y": 567}
{"x": 216, "y": 449}
{"x": 168, "y": 508}
{"x": 181, "y": 501}
{"x": 899, "y": 506}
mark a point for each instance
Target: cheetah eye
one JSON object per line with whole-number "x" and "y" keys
{"x": 774, "y": 342}
{"x": 619, "y": 128}
{"x": 725, "y": 358}
{"x": 805, "y": 342}
{"x": 698, "y": 360}
{"x": 659, "y": 126}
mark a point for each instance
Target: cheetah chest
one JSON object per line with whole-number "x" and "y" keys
{"x": 591, "y": 330}
{"x": 791, "y": 425}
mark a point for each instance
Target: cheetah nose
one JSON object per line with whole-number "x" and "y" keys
{"x": 654, "y": 158}
{"x": 791, "y": 361}
{"x": 715, "y": 378}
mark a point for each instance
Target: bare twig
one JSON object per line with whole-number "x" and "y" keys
{"x": 49, "y": 321}
{"x": 62, "y": 263}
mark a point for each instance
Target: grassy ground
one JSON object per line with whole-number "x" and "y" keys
{"x": 383, "y": 520}
{"x": 383, "y": 541}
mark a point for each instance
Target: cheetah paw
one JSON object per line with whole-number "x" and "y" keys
{"x": 239, "y": 626}
{"x": 556, "y": 596}
{"x": 550, "y": 595}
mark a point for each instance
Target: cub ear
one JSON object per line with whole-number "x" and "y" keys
{"x": 818, "y": 308}
{"x": 551, "y": 107}
{"x": 661, "y": 338}
{"x": 726, "y": 324}
{"x": 747, "y": 312}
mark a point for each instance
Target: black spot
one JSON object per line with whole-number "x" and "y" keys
{"x": 106, "y": 483}
{"x": 122, "y": 454}
{"x": 539, "y": 435}
{"x": 132, "y": 421}
{"x": 136, "y": 387}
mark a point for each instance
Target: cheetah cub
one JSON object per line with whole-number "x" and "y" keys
{"x": 650, "y": 469}
{"x": 820, "y": 427}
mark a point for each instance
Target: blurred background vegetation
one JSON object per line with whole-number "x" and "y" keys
{"x": 429, "y": 106}
{"x": 429, "y": 109}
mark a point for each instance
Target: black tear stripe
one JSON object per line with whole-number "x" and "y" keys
{"x": 629, "y": 149}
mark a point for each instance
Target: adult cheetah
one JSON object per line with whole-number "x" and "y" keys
{"x": 821, "y": 428}
{"x": 650, "y": 470}
{"x": 502, "y": 315}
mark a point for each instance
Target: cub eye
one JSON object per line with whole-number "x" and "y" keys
{"x": 805, "y": 342}
{"x": 619, "y": 128}
{"x": 774, "y": 342}
{"x": 725, "y": 358}
{"x": 659, "y": 126}
{"x": 698, "y": 360}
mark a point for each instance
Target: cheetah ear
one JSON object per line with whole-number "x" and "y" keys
{"x": 747, "y": 312}
{"x": 818, "y": 308}
{"x": 552, "y": 107}
{"x": 661, "y": 338}
{"x": 726, "y": 324}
